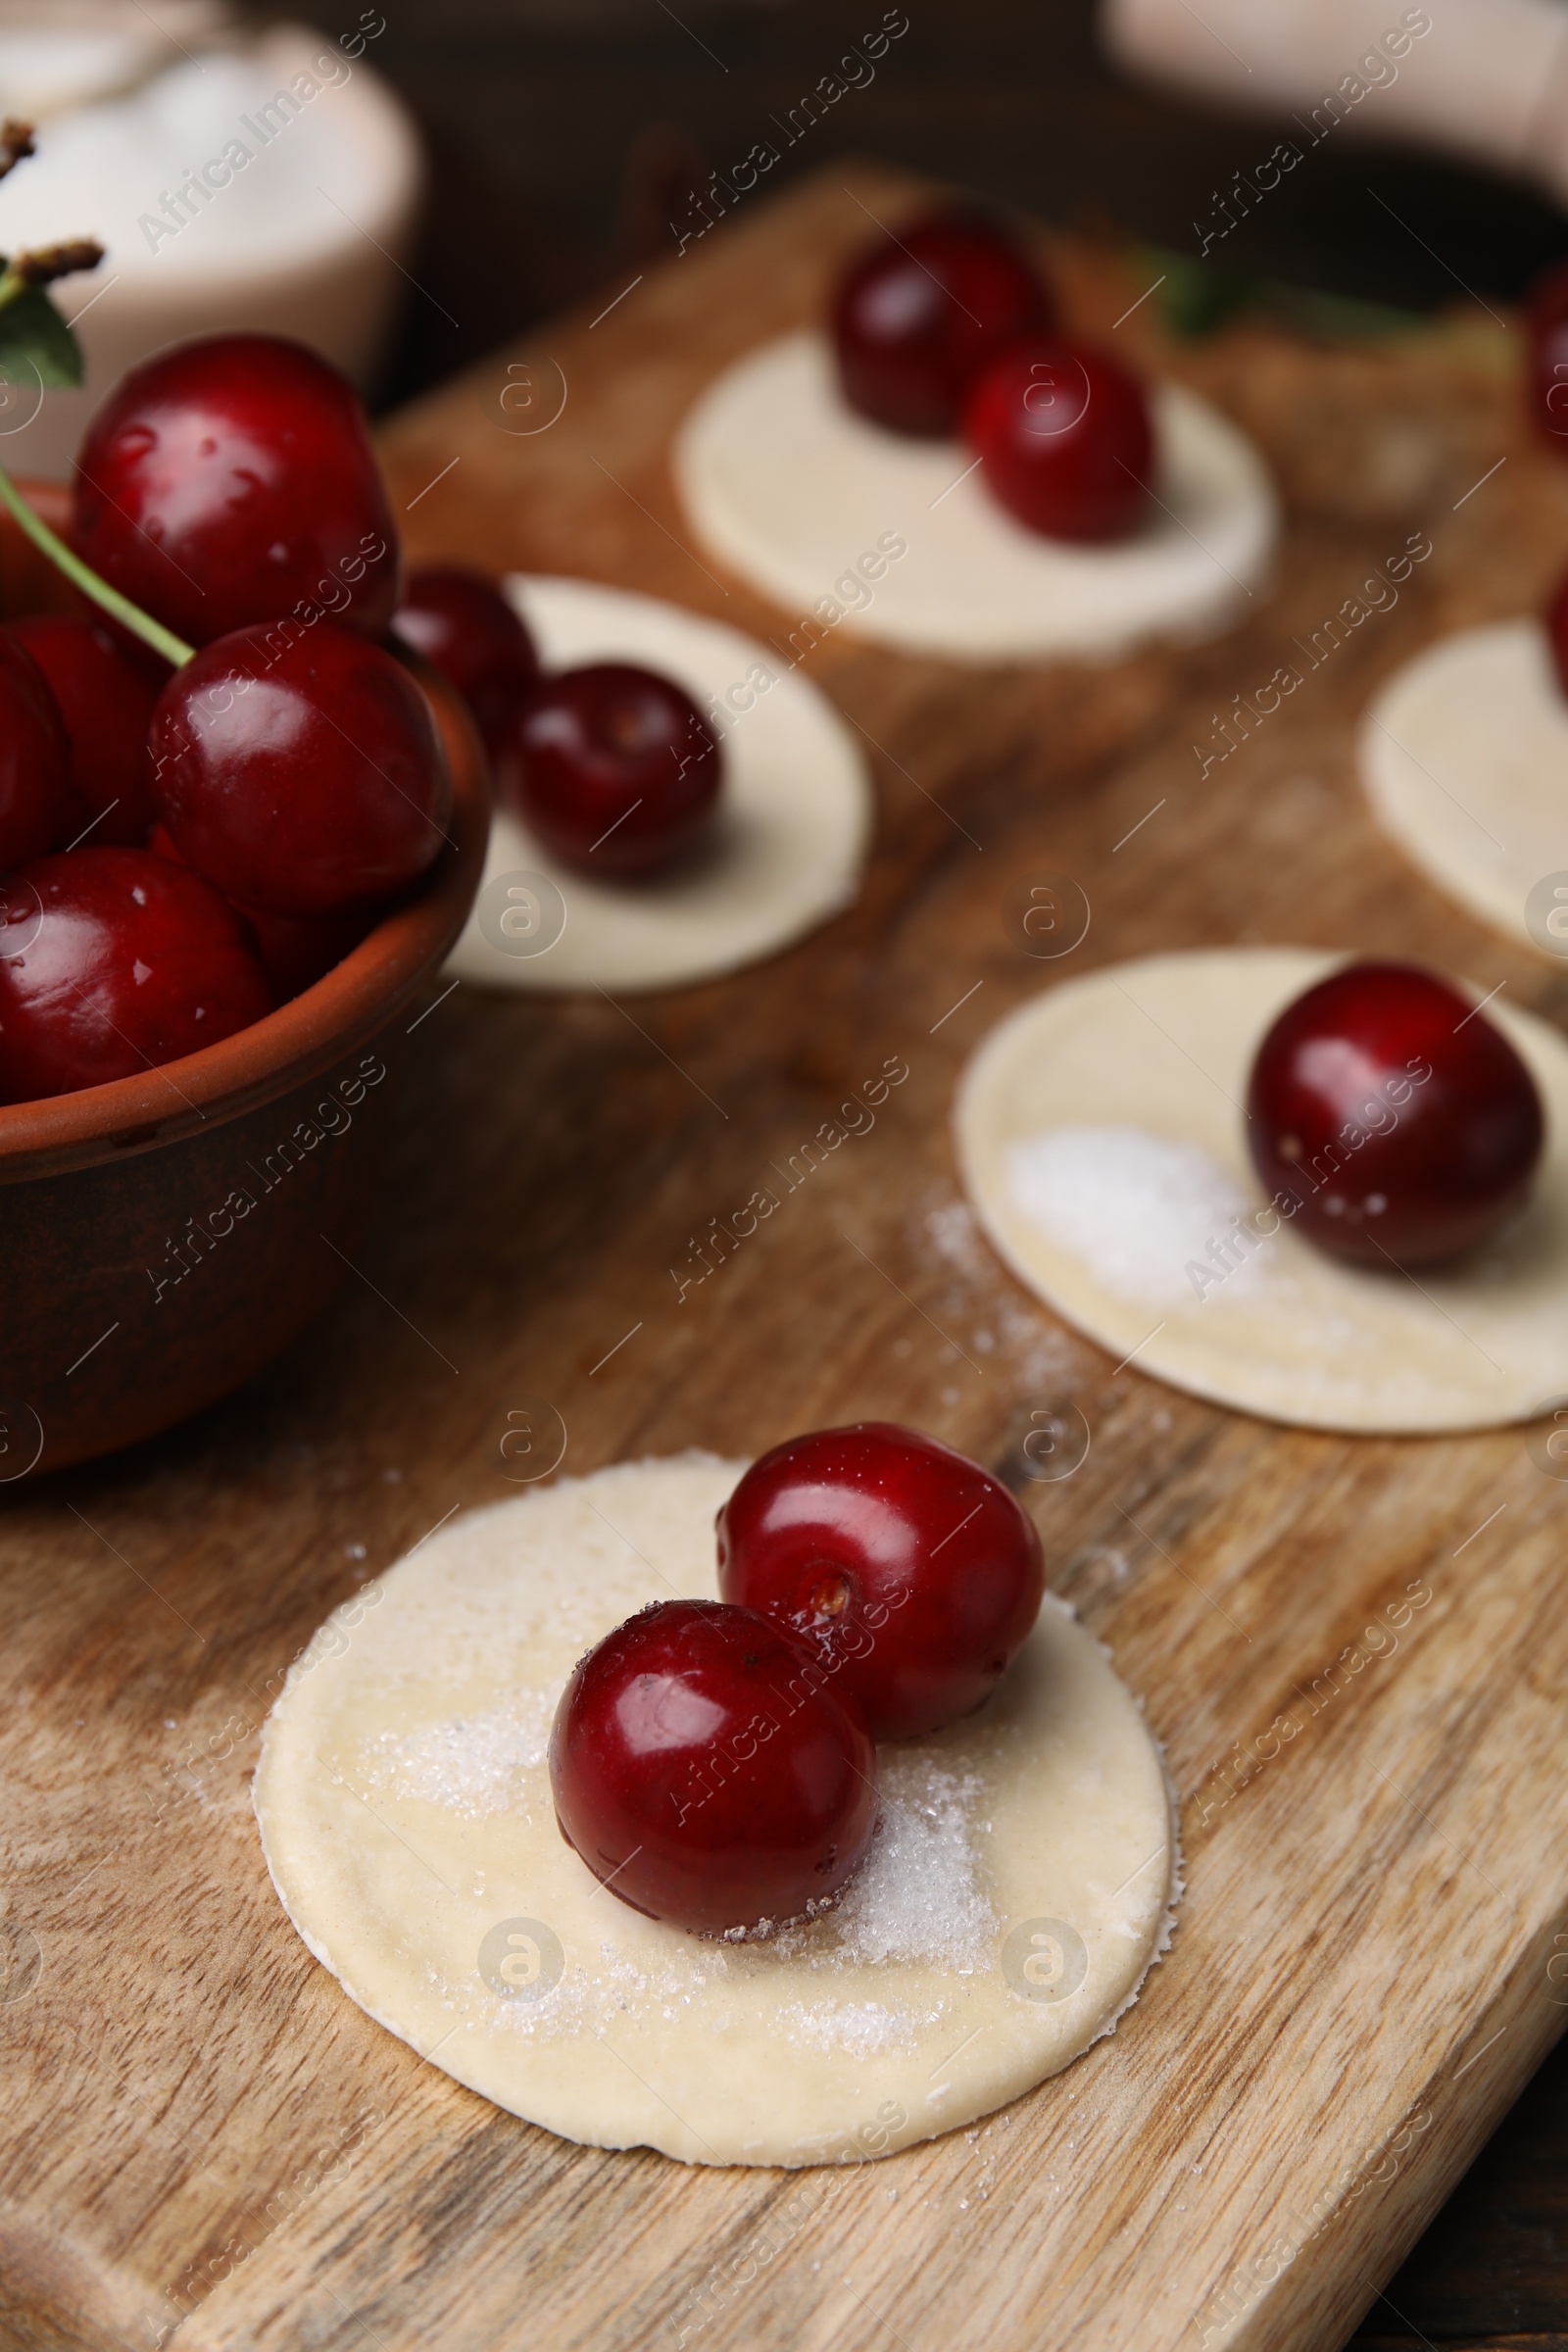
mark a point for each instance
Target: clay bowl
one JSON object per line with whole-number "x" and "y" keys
{"x": 163, "y": 1235}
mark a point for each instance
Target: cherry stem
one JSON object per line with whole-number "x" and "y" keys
{"x": 131, "y": 616}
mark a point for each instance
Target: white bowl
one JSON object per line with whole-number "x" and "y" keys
{"x": 304, "y": 238}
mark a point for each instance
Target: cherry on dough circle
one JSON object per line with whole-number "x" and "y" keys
{"x": 1016, "y": 1892}
{"x": 783, "y": 481}
{"x": 793, "y": 829}
{"x": 1100, "y": 1137}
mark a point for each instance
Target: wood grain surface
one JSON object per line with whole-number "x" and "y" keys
{"x": 200, "y": 2132}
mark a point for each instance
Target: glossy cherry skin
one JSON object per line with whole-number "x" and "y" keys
{"x": 106, "y": 702}
{"x": 231, "y": 479}
{"x": 614, "y": 768}
{"x": 708, "y": 1774}
{"x": 1400, "y": 1118}
{"x": 38, "y": 809}
{"x": 919, "y": 315}
{"x": 134, "y": 962}
{"x": 1546, "y": 329}
{"x": 299, "y": 774}
{"x": 1066, "y": 440}
{"x": 913, "y": 1574}
{"x": 462, "y": 624}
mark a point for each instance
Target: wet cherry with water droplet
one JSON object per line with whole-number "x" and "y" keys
{"x": 230, "y": 481}
{"x": 113, "y": 961}
{"x": 1397, "y": 1115}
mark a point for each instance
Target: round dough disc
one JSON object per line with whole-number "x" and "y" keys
{"x": 794, "y": 827}
{"x": 788, "y": 486}
{"x": 1017, "y": 1891}
{"x": 1103, "y": 1225}
{"x": 1464, "y": 755}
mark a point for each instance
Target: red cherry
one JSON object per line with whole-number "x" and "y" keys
{"x": 1404, "y": 1124}
{"x": 464, "y": 625}
{"x": 614, "y": 768}
{"x": 913, "y": 1574}
{"x": 706, "y": 1773}
{"x": 1067, "y": 439}
{"x": 106, "y": 701}
{"x": 920, "y": 313}
{"x": 131, "y": 962}
{"x": 1547, "y": 327}
{"x": 299, "y": 774}
{"x": 231, "y": 479}
{"x": 38, "y": 807}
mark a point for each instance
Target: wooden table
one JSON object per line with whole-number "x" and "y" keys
{"x": 204, "y": 2129}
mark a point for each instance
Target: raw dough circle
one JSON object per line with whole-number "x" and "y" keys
{"x": 790, "y": 487}
{"x": 1017, "y": 1891}
{"x": 1464, "y": 755}
{"x": 794, "y": 827}
{"x": 1157, "y": 1052}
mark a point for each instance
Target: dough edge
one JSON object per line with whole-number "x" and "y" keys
{"x": 1508, "y": 661}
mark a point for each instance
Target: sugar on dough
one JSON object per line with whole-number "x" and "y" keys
{"x": 1018, "y": 1888}
{"x": 1463, "y": 755}
{"x": 1160, "y": 1049}
{"x": 783, "y": 481}
{"x": 794, "y": 824}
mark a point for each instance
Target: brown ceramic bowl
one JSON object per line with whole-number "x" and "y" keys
{"x": 163, "y": 1235}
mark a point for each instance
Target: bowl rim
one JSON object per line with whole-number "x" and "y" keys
{"x": 351, "y": 1003}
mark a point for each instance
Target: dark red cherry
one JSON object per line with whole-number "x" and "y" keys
{"x": 1398, "y": 1117}
{"x": 913, "y": 1573}
{"x": 1546, "y": 329}
{"x": 301, "y": 775}
{"x": 1067, "y": 439}
{"x": 295, "y": 950}
{"x": 231, "y": 479}
{"x": 708, "y": 1773}
{"x": 38, "y": 809}
{"x": 921, "y": 313}
{"x": 615, "y": 769}
{"x": 132, "y": 961}
{"x": 462, "y": 624}
{"x": 106, "y": 701}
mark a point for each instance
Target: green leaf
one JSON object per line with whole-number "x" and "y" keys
{"x": 37, "y": 346}
{"x": 1196, "y": 297}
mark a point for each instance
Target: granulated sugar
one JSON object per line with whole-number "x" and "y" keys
{"x": 916, "y": 1897}
{"x": 472, "y": 1764}
{"x": 1134, "y": 1207}
{"x": 861, "y": 2028}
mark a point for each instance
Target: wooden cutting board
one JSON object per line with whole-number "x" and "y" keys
{"x": 1356, "y": 1652}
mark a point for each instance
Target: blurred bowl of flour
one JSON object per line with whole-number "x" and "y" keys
{"x": 237, "y": 176}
